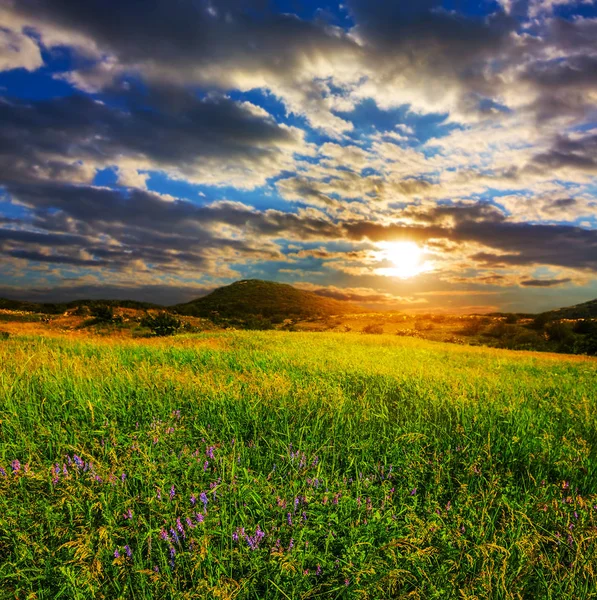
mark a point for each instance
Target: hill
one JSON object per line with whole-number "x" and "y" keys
{"x": 254, "y": 297}
{"x": 586, "y": 310}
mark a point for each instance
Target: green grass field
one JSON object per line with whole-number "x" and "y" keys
{"x": 295, "y": 465}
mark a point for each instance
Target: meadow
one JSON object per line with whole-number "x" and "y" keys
{"x": 271, "y": 464}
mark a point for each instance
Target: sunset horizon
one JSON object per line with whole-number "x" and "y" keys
{"x": 440, "y": 155}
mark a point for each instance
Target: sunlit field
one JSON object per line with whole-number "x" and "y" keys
{"x": 294, "y": 465}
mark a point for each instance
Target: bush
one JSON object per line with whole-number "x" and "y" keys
{"x": 588, "y": 345}
{"x": 373, "y": 328}
{"x": 258, "y": 324}
{"x": 4, "y": 335}
{"x": 408, "y": 333}
{"x": 423, "y": 325}
{"x": 585, "y": 327}
{"x": 511, "y": 319}
{"x": 559, "y": 332}
{"x": 472, "y": 327}
{"x": 102, "y": 313}
{"x": 498, "y": 330}
{"x": 539, "y": 322}
{"x": 162, "y": 324}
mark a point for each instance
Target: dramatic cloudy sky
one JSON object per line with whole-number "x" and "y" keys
{"x": 414, "y": 155}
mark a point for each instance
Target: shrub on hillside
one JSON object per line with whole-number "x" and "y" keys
{"x": 102, "y": 313}
{"x": 539, "y": 322}
{"x": 4, "y": 335}
{"x": 472, "y": 327}
{"x": 373, "y": 328}
{"x": 587, "y": 345}
{"x": 162, "y": 324}
{"x": 258, "y": 323}
{"x": 423, "y": 325}
{"x": 409, "y": 333}
{"x": 585, "y": 327}
{"x": 498, "y": 330}
{"x": 559, "y": 332}
{"x": 562, "y": 334}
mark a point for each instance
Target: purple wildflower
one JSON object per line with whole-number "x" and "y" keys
{"x": 180, "y": 528}
{"x": 16, "y": 466}
{"x": 210, "y": 452}
{"x": 2, "y": 472}
{"x": 172, "y": 552}
{"x": 205, "y": 466}
{"x": 164, "y": 535}
{"x": 189, "y": 522}
{"x": 318, "y": 572}
{"x": 128, "y": 551}
{"x": 123, "y": 477}
{"x": 193, "y": 500}
{"x": 116, "y": 554}
{"x": 203, "y": 499}
{"x": 174, "y": 536}
{"x": 291, "y": 544}
{"x": 199, "y": 517}
{"x": 413, "y": 492}
{"x": 289, "y": 519}
{"x": 172, "y": 492}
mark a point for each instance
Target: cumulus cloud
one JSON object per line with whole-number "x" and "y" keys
{"x": 18, "y": 51}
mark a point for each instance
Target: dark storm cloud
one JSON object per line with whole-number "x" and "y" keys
{"x": 117, "y": 228}
{"x": 353, "y": 296}
{"x": 516, "y": 244}
{"x": 425, "y": 24}
{"x": 544, "y": 282}
{"x": 190, "y": 40}
{"x": 162, "y": 128}
{"x": 566, "y": 152}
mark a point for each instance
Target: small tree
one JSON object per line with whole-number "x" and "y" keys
{"x": 162, "y": 324}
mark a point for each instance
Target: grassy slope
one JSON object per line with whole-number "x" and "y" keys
{"x": 427, "y": 469}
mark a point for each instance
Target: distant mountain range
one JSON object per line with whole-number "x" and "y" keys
{"x": 242, "y": 299}
{"x": 257, "y": 298}
{"x": 57, "y": 308}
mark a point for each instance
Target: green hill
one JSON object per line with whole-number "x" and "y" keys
{"x": 254, "y": 297}
{"x": 586, "y": 310}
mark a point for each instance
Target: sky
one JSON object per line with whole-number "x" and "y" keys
{"x": 417, "y": 156}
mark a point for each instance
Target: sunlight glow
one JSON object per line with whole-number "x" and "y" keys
{"x": 407, "y": 258}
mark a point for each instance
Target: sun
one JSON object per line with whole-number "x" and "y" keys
{"x": 407, "y": 258}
